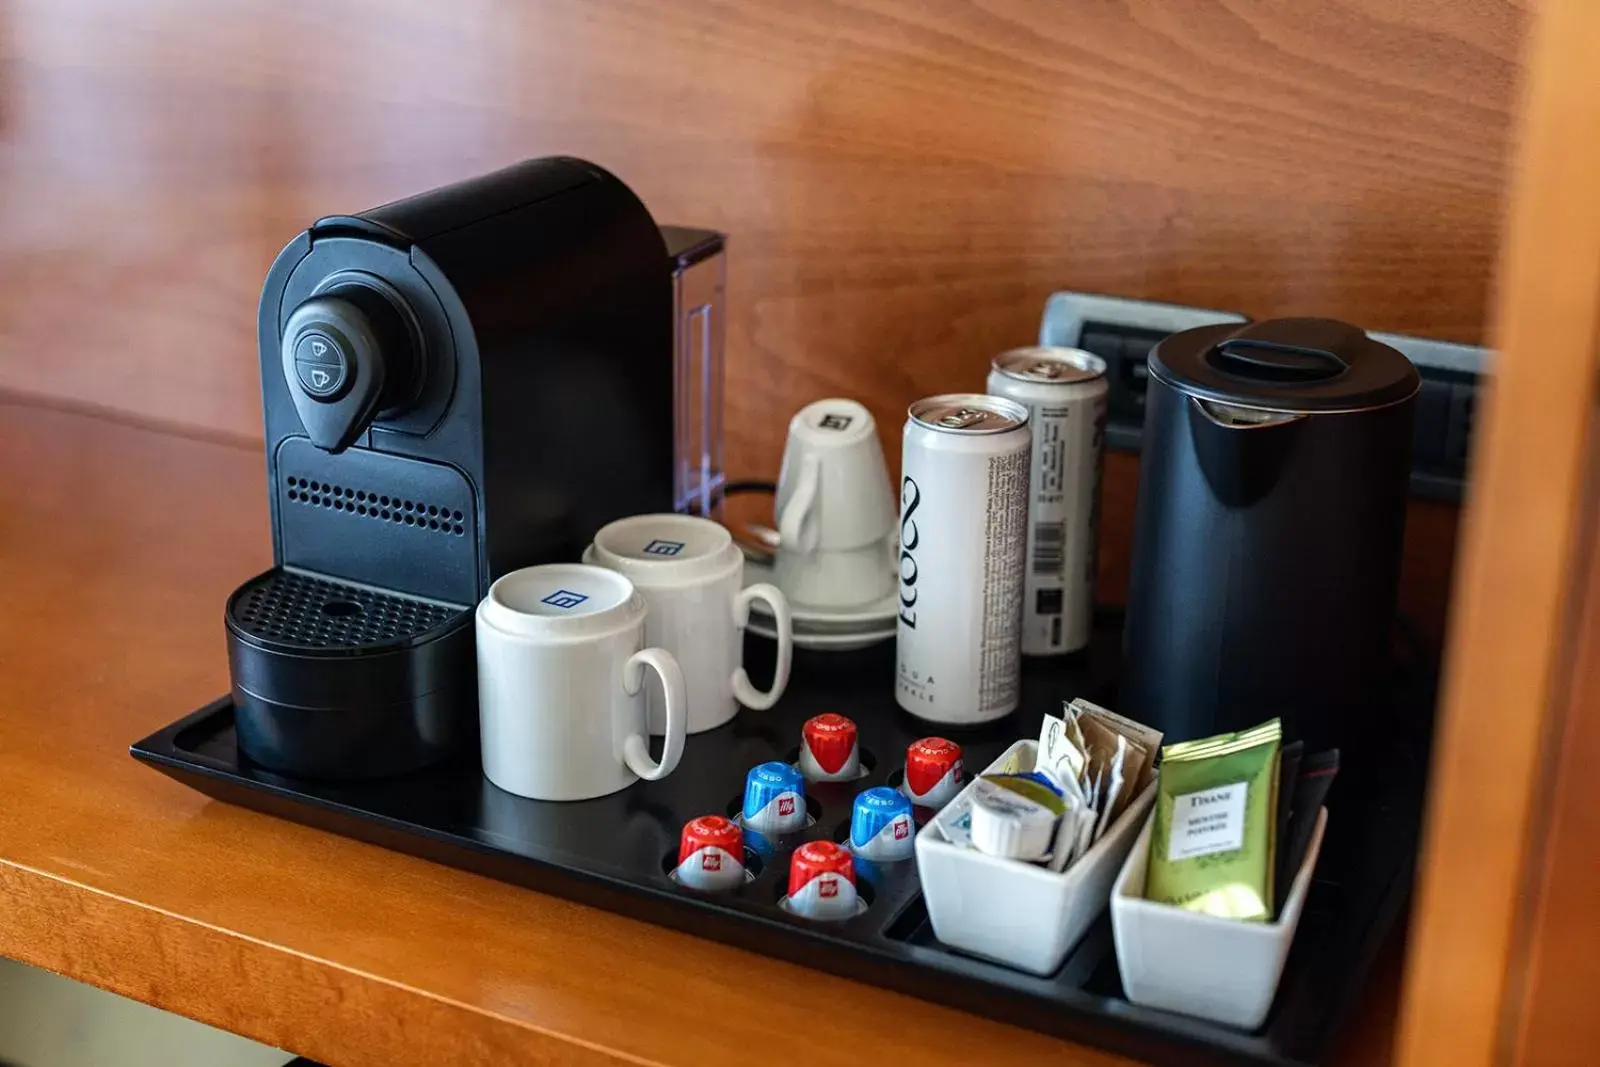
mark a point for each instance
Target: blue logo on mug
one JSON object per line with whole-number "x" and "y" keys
{"x": 663, "y": 548}
{"x": 835, "y": 422}
{"x": 564, "y": 599}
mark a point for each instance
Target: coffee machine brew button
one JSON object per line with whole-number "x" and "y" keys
{"x": 320, "y": 380}
{"x": 321, "y": 365}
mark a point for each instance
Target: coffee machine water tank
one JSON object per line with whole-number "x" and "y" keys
{"x": 700, "y": 326}
{"x": 455, "y": 385}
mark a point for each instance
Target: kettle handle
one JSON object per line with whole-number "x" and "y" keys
{"x": 1287, "y": 350}
{"x": 1259, "y": 363}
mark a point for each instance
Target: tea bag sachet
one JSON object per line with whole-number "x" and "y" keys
{"x": 1307, "y": 792}
{"x": 1289, "y": 757}
{"x": 1075, "y": 731}
{"x": 1062, "y": 754}
{"x": 1211, "y": 848}
{"x": 1068, "y": 833}
{"x": 1116, "y": 792}
{"x": 1141, "y": 738}
{"x": 1086, "y": 830}
{"x": 1107, "y": 751}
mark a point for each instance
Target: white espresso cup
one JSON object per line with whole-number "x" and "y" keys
{"x": 561, "y": 684}
{"x": 691, "y": 574}
{"x": 835, "y": 509}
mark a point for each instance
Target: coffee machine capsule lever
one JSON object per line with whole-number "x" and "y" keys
{"x": 353, "y": 350}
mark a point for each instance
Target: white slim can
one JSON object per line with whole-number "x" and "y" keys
{"x": 1064, "y": 390}
{"x": 963, "y": 532}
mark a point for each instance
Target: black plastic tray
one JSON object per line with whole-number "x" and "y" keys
{"x": 615, "y": 852}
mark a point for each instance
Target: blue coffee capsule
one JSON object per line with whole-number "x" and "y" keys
{"x": 774, "y": 799}
{"x": 881, "y": 825}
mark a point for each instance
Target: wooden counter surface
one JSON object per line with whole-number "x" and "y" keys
{"x": 118, "y": 546}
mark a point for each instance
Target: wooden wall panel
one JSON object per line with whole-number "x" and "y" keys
{"x": 904, "y": 182}
{"x": 1554, "y": 970}
{"x": 1515, "y": 744}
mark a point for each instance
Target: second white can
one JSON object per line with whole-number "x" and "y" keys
{"x": 963, "y": 532}
{"x": 1064, "y": 390}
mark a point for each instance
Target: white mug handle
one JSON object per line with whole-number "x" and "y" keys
{"x": 636, "y": 749}
{"x": 794, "y": 531}
{"x": 743, "y": 691}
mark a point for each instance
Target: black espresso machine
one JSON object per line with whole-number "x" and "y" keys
{"x": 458, "y": 384}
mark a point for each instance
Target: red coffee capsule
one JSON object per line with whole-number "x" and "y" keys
{"x": 711, "y": 853}
{"x": 828, "y": 750}
{"x": 822, "y": 881}
{"x": 933, "y": 772}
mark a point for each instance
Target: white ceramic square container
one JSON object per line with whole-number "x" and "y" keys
{"x": 1225, "y": 970}
{"x": 1017, "y": 913}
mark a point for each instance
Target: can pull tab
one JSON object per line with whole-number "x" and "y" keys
{"x": 962, "y": 418}
{"x": 1287, "y": 351}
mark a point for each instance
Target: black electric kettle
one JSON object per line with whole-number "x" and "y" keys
{"x": 1267, "y": 538}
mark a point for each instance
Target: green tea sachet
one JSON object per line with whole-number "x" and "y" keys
{"x": 1211, "y": 849}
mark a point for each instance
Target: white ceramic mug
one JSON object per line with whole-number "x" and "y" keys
{"x": 561, "y": 685}
{"x": 690, "y": 574}
{"x": 835, "y": 509}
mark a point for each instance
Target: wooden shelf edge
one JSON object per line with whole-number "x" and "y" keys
{"x": 66, "y": 405}
{"x": 267, "y": 993}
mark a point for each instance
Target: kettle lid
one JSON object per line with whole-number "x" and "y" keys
{"x": 1295, "y": 364}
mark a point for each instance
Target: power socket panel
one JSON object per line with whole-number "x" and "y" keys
{"x": 1122, "y": 332}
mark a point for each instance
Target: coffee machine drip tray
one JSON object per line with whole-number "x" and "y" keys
{"x": 292, "y": 609}
{"x": 335, "y": 680}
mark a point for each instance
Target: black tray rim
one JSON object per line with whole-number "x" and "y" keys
{"x": 1144, "y": 1033}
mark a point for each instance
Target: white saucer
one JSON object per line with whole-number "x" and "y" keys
{"x": 877, "y": 620}
{"x": 761, "y": 626}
